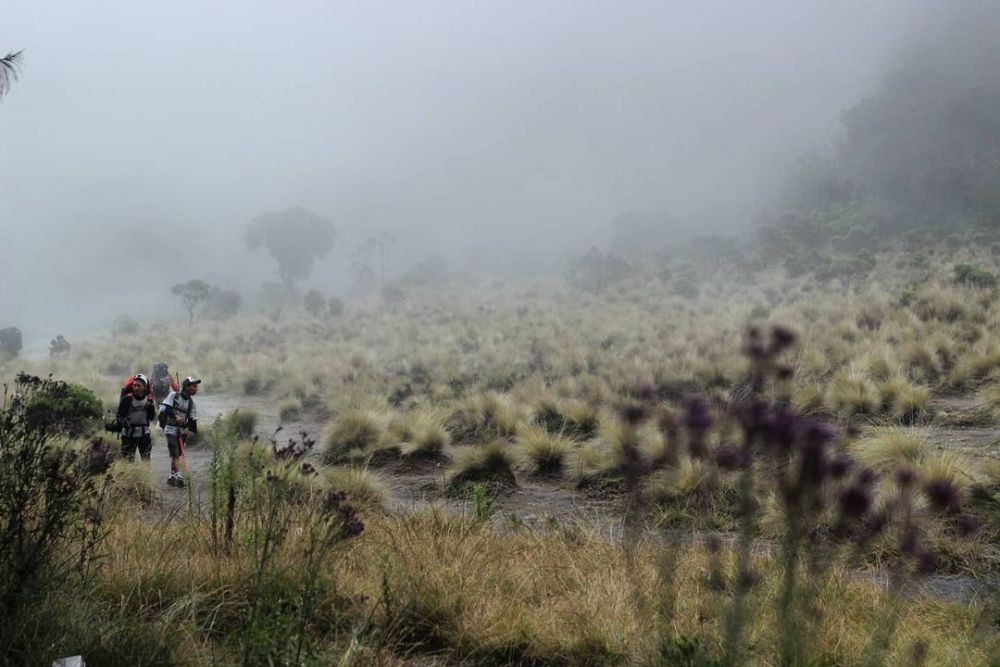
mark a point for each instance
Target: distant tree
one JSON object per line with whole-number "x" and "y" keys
{"x": 716, "y": 251}
{"x": 10, "y": 70}
{"x": 368, "y": 260}
{"x": 10, "y": 341}
{"x": 59, "y": 347}
{"x": 192, "y": 294}
{"x": 314, "y": 302}
{"x": 222, "y": 304}
{"x": 295, "y": 239}
{"x": 336, "y": 306}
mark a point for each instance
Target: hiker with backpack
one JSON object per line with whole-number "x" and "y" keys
{"x": 136, "y": 411}
{"x": 162, "y": 381}
{"x": 178, "y": 417}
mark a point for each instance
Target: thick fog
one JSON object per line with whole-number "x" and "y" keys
{"x": 143, "y": 136}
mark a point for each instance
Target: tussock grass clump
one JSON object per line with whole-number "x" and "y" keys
{"x": 486, "y": 417}
{"x": 851, "y": 394}
{"x": 361, "y": 485}
{"x": 888, "y": 448}
{"x": 902, "y": 401}
{"x": 133, "y": 481}
{"x": 354, "y": 433}
{"x": 240, "y": 423}
{"x": 568, "y": 417}
{"x": 544, "y": 452}
{"x": 492, "y": 465}
{"x": 429, "y": 439}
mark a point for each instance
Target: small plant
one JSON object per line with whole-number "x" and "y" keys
{"x": 482, "y": 504}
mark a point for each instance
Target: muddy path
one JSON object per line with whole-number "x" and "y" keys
{"x": 534, "y": 502}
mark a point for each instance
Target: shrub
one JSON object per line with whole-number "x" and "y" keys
{"x": 222, "y": 304}
{"x": 973, "y": 276}
{"x": 71, "y": 409}
{"x": 10, "y": 341}
{"x": 48, "y": 510}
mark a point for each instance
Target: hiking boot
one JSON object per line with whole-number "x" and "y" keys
{"x": 178, "y": 480}
{"x": 171, "y": 480}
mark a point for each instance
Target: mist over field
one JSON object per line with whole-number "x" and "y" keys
{"x": 502, "y": 136}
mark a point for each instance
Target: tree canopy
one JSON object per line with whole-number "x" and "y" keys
{"x": 295, "y": 238}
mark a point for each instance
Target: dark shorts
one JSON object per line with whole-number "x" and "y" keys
{"x": 143, "y": 443}
{"x": 174, "y": 446}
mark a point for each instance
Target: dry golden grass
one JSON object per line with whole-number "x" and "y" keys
{"x": 462, "y": 591}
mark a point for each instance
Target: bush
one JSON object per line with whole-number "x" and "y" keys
{"x": 973, "y": 276}
{"x": 60, "y": 407}
{"x": 314, "y": 302}
{"x": 10, "y": 341}
{"x": 222, "y": 304}
{"x": 47, "y": 510}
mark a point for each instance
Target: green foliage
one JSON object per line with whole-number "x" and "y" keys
{"x": 64, "y": 408}
{"x": 973, "y": 276}
{"x": 48, "y": 508}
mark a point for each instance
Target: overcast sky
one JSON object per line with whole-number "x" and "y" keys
{"x": 151, "y": 130}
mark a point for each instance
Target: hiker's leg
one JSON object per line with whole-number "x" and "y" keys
{"x": 128, "y": 448}
{"x": 174, "y": 447}
{"x": 145, "y": 447}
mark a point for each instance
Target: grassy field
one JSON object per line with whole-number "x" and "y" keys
{"x": 706, "y": 540}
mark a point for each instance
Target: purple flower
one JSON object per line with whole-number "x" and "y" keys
{"x": 840, "y": 465}
{"x": 697, "y": 417}
{"x": 730, "y": 456}
{"x": 633, "y": 413}
{"x": 854, "y": 502}
{"x": 905, "y": 477}
{"x": 782, "y": 338}
{"x": 942, "y": 494}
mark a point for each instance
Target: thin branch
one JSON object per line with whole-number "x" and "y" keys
{"x": 10, "y": 70}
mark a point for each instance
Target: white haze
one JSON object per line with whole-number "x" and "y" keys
{"x": 143, "y": 135}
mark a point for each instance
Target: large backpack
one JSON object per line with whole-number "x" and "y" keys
{"x": 161, "y": 381}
